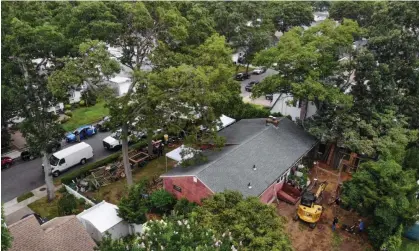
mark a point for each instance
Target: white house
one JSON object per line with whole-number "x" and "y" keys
{"x": 103, "y": 218}
{"x": 301, "y": 110}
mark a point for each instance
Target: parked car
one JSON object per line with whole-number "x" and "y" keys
{"x": 259, "y": 70}
{"x": 102, "y": 126}
{"x": 250, "y": 85}
{"x": 242, "y": 76}
{"x": 69, "y": 157}
{"x": 83, "y": 131}
{"x": 6, "y": 162}
{"x": 269, "y": 96}
{"x": 52, "y": 147}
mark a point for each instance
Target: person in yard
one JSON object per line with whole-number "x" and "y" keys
{"x": 335, "y": 222}
{"x": 361, "y": 226}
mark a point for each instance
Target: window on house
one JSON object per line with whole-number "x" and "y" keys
{"x": 177, "y": 188}
{"x": 299, "y": 103}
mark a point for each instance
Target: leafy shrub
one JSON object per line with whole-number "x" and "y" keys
{"x": 162, "y": 201}
{"x": 67, "y": 107}
{"x": 277, "y": 114}
{"x": 68, "y": 113}
{"x": 62, "y": 190}
{"x": 289, "y": 117}
{"x": 82, "y": 103}
{"x": 184, "y": 207}
{"x": 248, "y": 111}
{"x": 133, "y": 207}
{"x": 67, "y": 204}
{"x": 81, "y": 201}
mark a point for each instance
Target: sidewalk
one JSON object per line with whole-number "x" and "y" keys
{"x": 12, "y": 207}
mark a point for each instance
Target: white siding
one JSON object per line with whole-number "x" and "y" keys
{"x": 285, "y": 109}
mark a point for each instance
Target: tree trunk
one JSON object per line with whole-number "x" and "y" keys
{"x": 127, "y": 167}
{"x": 150, "y": 142}
{"x": 48, "y": 177}
{"x": 247, "y": 67}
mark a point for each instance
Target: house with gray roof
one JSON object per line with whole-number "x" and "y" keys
{"x": 256, "y": 160}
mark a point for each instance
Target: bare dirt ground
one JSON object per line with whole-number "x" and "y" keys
{"x": 322, "y": 237}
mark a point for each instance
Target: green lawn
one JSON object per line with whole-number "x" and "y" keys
{"x": 24, "y": 196}
{"x": 86, "y": 115}
{"x": 46, "y": 209}
{"x": 409, "y": 245}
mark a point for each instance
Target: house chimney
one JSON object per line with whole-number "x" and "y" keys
{"x": 272, "y": 120}
{"x": 249, "y": 186}
{"x": 254, "y": 167}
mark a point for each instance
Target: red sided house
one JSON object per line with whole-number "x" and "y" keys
{"x": 256, "y": 160}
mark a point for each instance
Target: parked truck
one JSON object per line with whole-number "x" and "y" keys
{"x": 69, "y": 157}
{"x": 114, "y": 141}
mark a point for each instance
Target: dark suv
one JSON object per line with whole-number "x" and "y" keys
{"x": 52, "y": 147}
{"x": 242, "y": 76}
{"x": 250, "y": 85}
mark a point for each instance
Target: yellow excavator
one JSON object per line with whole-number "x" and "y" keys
{"x": 309, "y": 210}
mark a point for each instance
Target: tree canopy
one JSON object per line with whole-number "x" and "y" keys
{"x": 253, "y": 224}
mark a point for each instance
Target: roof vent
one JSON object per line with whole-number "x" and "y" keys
{"x": 254, "y": 167}
{"x": 249, "y": 186}
{"x": 272, "y": 120}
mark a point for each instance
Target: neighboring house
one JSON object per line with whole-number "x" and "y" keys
{"x": 59, "y": 234}
{"x": 255, "y": 161}
{"x": 299, "y": 110}
{"x": 103, "y": 218}
{"x": 120, "y": 84}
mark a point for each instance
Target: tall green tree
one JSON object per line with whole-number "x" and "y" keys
{"x": 25, "y": 39}
{"x": 142, "y": 25}
{"x": 252, "y": 224}
{"x": 386, "y": 193}
{"x": 286, "y": 15}
{"x": 358, "y": 11}
{"x": 309, "y": 70}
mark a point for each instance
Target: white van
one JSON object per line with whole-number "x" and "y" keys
{"x": 71, "y": 156}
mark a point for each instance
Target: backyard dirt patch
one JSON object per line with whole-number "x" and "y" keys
{"x": 304, "y": 238}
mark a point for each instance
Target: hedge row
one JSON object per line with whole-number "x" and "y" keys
{"x": 84, "y": 171}
{"x": 249, "y": 111}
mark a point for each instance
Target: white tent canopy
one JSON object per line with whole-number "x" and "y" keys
{"x": 226, "y": 121}
{"x": 175, "y": 154}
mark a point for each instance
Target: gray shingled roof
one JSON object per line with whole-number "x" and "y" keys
{"x": 272, "y": 149}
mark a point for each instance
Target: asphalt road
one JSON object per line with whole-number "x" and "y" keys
{"x": 246, "y": 95}
{"x": 23, "y": 177}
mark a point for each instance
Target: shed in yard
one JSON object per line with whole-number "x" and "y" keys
{"x": 103, "y": 218}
